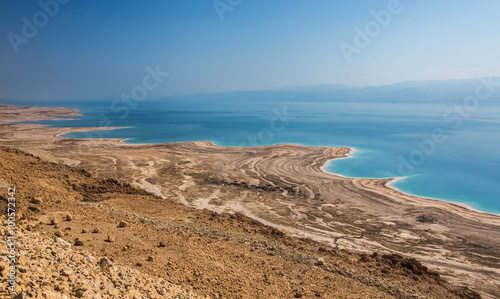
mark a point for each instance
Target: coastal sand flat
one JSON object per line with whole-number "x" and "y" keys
{"x": 283, "y": 186}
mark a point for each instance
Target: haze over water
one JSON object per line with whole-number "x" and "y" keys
{"x": 92, "y": 50}
{"x": 391, "y": 131}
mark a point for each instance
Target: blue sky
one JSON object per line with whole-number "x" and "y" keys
{"x": 96, "y": 49}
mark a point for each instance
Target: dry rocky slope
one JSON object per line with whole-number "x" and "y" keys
{"x": 49, "y": 267}
{"x": 282, "y": 186}
{"x": 80, "y": 236}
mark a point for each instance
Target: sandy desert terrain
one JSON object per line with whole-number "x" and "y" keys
{"x": 282, "y": 186}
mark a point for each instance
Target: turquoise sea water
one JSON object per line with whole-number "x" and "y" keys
{"x": 453, "y": 156}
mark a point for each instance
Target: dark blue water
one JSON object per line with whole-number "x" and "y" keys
{"x": 451, "y": 156}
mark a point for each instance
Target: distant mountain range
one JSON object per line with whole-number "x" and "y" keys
{"x": 321, "y": 87}
{"x": 435, "y": 90}
{"x": 444, "y": 91}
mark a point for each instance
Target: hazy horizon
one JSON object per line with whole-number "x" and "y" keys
{"x": 319, "y": 88}
{"x": 61, "y": 49}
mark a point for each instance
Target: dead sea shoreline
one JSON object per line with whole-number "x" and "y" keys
{"x": 237, "y": 242}
{"x": 350, "y": 151}
{"x": 285, "y": 186}
{"x": 458, "y": 204}
{"x": 390, "y": 181}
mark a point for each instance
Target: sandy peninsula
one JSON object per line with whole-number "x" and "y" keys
{"x": 283, "y": 186}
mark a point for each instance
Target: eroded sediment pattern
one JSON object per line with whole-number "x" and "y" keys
{"x": 284, "y": 186}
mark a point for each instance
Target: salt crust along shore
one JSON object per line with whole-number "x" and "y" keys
{"x": 303, "y": 199}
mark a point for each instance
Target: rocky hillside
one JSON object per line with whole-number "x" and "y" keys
{"x": 50, "y": 267}
{"x": 83, "y": 237}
